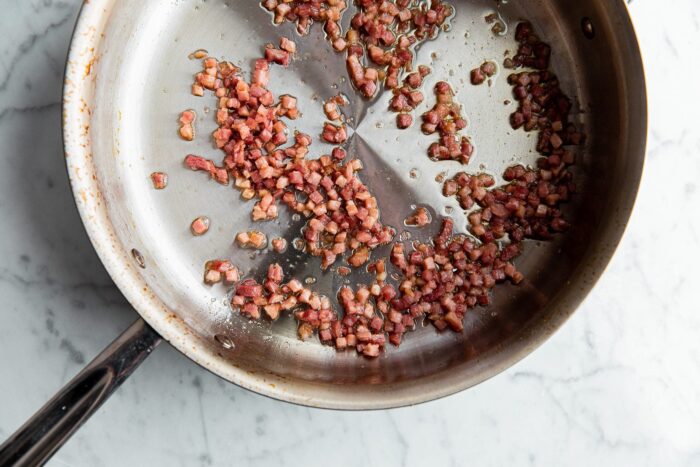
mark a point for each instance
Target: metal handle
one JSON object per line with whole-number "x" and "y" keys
{"x": 41, "y": 436}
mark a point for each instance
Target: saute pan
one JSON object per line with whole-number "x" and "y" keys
{"x": 127, "y": 79}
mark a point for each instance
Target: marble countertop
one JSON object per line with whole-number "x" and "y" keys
{"x": 617, "y": 385}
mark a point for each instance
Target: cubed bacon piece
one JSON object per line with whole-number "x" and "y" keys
{"x": 288, "y": 45}
{"x": 249, "y": 289}
{"x": 187, "y": 119}
{"x": 420, "y": 217}
{"x": 159, "y": 180}
{"x": 279, "y": 244}
{"x": 200, "y": 225}
{"x": 280, "y": 57}
{"x": 251, "y": 239}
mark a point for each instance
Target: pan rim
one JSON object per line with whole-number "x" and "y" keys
{"x": 77, "y": 100}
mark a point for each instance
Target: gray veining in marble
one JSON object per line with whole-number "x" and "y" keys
{"x": 618, "y": 385}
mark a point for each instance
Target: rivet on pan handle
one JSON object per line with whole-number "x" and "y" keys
{"x": 48, "y": 429}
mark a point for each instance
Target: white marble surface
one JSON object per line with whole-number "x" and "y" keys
{"x": 618, "y": 385}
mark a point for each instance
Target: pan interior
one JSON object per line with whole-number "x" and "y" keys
{"x": 143, "y": 78}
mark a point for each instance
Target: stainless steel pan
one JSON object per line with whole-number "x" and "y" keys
{"x": 127, "y": 79}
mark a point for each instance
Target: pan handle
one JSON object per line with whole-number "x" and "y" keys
{"x": 48, "y": 429}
